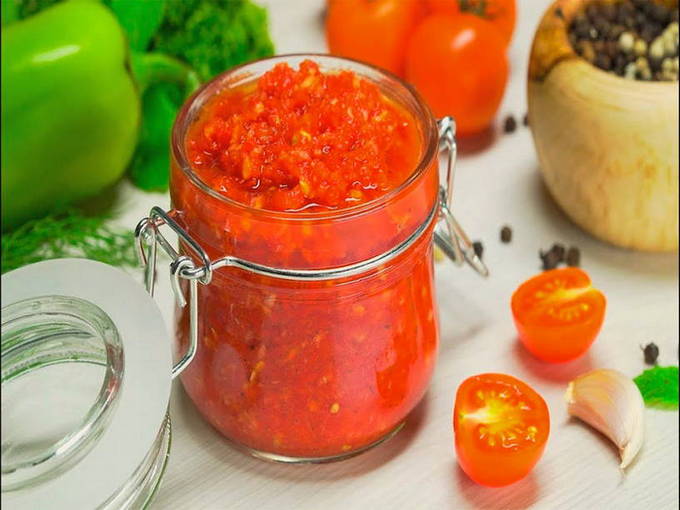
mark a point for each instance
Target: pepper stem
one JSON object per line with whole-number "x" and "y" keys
{"x": 151, "y": 68}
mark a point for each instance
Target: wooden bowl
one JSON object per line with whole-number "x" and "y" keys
{"x": 608, "y": 146}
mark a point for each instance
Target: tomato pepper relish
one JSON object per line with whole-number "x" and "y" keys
{"x": 303, "y": 140}
{"x": 309, "y": 369}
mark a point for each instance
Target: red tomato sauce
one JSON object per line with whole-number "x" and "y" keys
{"x": 303, "y": 140}
{"x": 299, "y": 368}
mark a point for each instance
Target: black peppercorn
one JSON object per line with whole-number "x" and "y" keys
{"x": 510, "y": 124}
{"x": 573, "y": 257}
{"x": 559, "y": 251}
{"x": 659, "y": 13}
{"x": 603, "y": 61}
{"x": 593, "y": 11}
{"x": 526, "y": 119}
{"x": 608, "y": 11}
{"x": 615, "y": 32}
{"x": 612, "y": 35}
{"x": 620, "y": 62}
{"x": 479, "y": 248}
{"x": 581, "y": 26}
{"x": 506, "y": 234}
{"x": 601, "y": 25}
{"x": 549, "y": 259}
{"x": 599, "y": 46}
{"x": 651, "y": 353}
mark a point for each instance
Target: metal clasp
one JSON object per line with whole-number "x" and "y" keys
{"x": 147, "y": 233}
{"x": 449, "y": 236}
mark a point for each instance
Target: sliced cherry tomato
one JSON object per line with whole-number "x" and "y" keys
{"x": 373, "y": 31}
{"x": 501, "y": 427}
{"x": 558, "y": 314}
{"x": 500, "y": 13}
{"x": 458, "y": 64}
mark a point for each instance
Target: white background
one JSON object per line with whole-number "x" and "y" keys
{"x": 418, "y": 468}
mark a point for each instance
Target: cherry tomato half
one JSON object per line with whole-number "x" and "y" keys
{"x": 558, "y": 314}
{"x": 501, "y": 427}
{"x": 500, "y": 13}
{"x": 458, "y": 63}
{"x": 373, "y": 31}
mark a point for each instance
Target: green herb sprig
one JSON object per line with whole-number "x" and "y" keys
{"x": 659, "y": 387}
{"x": 68, "y": 234}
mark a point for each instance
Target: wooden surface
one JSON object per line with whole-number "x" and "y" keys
{"x": 418, "y": 469}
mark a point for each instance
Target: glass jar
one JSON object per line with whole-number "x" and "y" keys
{"x": 317, "y": 332}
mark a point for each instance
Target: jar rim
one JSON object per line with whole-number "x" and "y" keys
{"x": 193, "y": 104}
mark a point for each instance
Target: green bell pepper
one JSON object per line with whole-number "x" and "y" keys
{"x": 71, "y": 106}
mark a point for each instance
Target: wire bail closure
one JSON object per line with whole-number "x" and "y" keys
{"x": 448, "y": 235}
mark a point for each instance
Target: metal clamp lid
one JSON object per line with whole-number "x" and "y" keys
{"x": 448, "y": 235}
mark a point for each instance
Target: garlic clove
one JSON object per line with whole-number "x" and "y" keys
{"x": 611, "y": 403}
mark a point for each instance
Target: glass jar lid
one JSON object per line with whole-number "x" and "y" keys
{"x": 86, "y": 363}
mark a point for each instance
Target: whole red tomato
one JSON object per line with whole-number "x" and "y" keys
{"x": 374, "y": 31}
{"x": 458, "y": 63}
{"x": 501, "y": 13}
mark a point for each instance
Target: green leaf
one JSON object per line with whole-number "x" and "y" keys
{"x": 659, "y": 387}
{"x": 139, "y": 18}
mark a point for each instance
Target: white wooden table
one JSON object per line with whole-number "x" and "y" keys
{"x": 418, "y": 468}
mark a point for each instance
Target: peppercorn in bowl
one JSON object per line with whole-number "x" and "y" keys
{"x": 603, "y": 108}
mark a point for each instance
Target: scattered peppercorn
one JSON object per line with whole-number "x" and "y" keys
{"x": 479, "y": 248}
{"x": 549, "y": 258}
{"x": 557, "y": 254}
{"x": 573, "y": 257}
{"x": 651, "y": 353}
{"x": 510, "y": 124}
{"x": 506, "y": 234}
{"x": 631, "y": 38}
{"x": 559, "y": 251}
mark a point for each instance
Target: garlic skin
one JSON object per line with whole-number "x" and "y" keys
{"x": 610, "y": 402}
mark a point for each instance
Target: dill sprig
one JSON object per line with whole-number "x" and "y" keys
{"x": 68, "y": 234}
